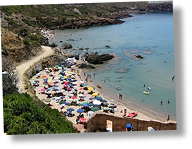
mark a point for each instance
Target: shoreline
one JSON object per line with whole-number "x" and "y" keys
{"x": 130, "y": 106}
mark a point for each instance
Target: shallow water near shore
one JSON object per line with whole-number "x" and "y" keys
{"x": 150, "y": 35}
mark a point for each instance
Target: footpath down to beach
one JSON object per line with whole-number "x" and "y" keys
{"x": 46, "y": 51}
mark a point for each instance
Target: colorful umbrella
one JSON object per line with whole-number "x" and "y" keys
{"x": 82, "y": 120}
{"x": 70, "y": 109}
{"x": 95, "y": 109}
{"x": 90, "y": 88}
{"x": 95, "y": 94}
{"x": 80, "y": 110}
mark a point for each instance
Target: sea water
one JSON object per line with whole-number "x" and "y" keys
{"x": 137, "y": 35}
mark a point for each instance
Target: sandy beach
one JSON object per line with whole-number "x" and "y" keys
{"x": 79, "y": 75}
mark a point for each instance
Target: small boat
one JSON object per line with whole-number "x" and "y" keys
{"x": 146, "y": 92}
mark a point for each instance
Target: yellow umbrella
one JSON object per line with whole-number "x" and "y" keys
{"x": 65, "y": 77}
{"x": 90, "y": 88}
{"x": 95, "y": 94}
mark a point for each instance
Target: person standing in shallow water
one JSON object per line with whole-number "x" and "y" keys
{"x": 168, "y": 101}
{"x": 161, "y": 102}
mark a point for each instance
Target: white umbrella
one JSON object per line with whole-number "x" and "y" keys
{"x": 70, "y": 95}
{"x": 81, "y": 95}
{"x": 96, "y": 102}
{"x": 70, "y": 99}
{"x": 90, "y": 113}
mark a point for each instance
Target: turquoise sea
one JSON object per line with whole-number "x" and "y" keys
{"x": 150, "y": 35}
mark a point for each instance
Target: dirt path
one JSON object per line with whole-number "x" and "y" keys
{"x": 47, "y": 51}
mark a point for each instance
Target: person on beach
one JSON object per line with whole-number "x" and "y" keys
{"x": 161, "y": 102}
{"x": 144, "y": 85}
{"x": 125, "y": 112}
{"x": 94, "y": 74}
{"x": 168, "y": 101}
{"x": 168, "y": 118}
{"x": 120, "y": 96}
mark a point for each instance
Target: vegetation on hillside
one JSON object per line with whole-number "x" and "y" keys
{"x": 23, "y": 115}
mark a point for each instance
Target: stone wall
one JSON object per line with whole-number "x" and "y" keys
{"x": 99, "y": 122}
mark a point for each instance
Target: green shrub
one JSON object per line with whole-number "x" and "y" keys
{"x": 24, "y": 116}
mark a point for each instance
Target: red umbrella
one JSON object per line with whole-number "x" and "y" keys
{"x": 73, "y": 97}
{"x": 82, "y": 120}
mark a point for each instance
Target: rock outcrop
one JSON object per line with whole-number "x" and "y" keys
{"x": 94, "y": 58}
{"x": 66, "y": 46}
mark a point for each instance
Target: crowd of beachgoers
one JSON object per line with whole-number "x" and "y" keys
{"x": 63, "y": 87}
{"x": 47, "y": 33}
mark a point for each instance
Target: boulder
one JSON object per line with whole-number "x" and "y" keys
{"x": 94, "y": 58}
{"x": 83, "y": 65}
{"x": 66, "y": 46}
{"x": 139, "y": 56}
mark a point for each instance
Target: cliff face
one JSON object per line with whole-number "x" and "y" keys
{"x": 17, "y": 51}
{"x": 152, "y": 7}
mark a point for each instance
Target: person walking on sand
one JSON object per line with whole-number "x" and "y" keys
{"x": 168, "y": 118}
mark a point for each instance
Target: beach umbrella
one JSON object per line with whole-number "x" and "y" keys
{"x": 57, "y": 98}
{"x": 70, "y": 99}
{"x": 70, "y": 95}
{"x": 91, "y": 98}
{"x": 85, "y": 102}
{"x": 75, "y": 100}
{"x": 112, "y": 100}
{"x": 48, "y": 89}
{"x": 42, "y": 90}
{"x": 73, "y": 97}
{"x": 81, "y": 88}
{"x": 90, "y": 113}
{"x": 69, "y": 84}
{"x": 96, "y": 102}
{"x": 62, "y": 65}
{"x": 43, "y": 76}
{"x": 63, "y": 96}
{"x": 90, "y": 104}
{"x": 82, "y": 120}
{"x": 95, "y": 109}
{"x": 99, "y": 97}
{"x": 85, "y": 105}
{"x": 95, "y": 94}
{"x": 49, "y": 93}
{"x": 62, "y": 102}
{"x": 80, "y": 110}
{"x": 104, "y": 100}
{"x": 81, "y": 82}
{"x": 70, "y": 92}
{"x": 56, "y": 85}
{"x": 67, "y": 103}
{"x": 81, "y": 95}
{"x": 70, "y": 109}
{"x": 80, "y": 104}
{"x": 90, "y": 88}
{"x": 57, "y": 66}
{"x": 46, "y": 68}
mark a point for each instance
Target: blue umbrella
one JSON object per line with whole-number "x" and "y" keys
{"x": 104, "y": 100}
{"x": 85, "y": 105}
{"x": 62, "y": 65}
{"x": 91, "y": 98}
{"x": 67, "y": 103}
{"x": 80, "y": 110}
{"x": 45, "y": 80}
{"x": 69, "y": 84}
{"x": 48, "y": 89}
{"x": 90, "y": 104}
{"x": 99, "y": 99}
{"x": 55, "y": 88}
{"x": 70, "y": 109}
{"x": 68, "y": 63}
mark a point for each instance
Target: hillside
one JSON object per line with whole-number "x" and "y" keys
{"x": 26, "y": 21}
